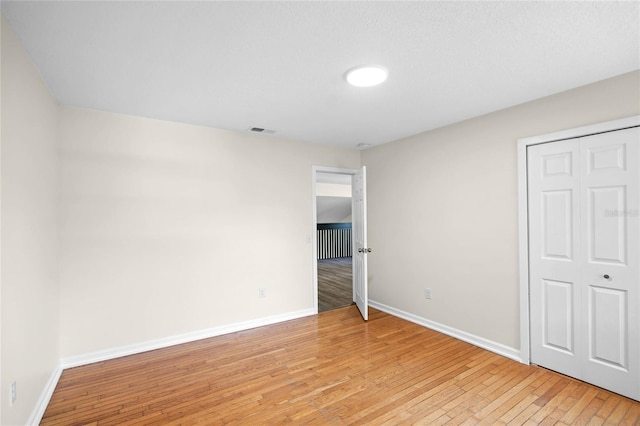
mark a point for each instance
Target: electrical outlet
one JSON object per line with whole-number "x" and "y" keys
{"x": 262, "y": 292}
{"x": 427, "y": 293}
{"x": 13, "y": 392}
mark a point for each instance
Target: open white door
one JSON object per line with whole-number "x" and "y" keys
{"x": 360, "y": 249}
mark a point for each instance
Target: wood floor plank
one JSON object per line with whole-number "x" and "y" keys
{"x": 335, "y": 288}
{"x": 332, "y": 368}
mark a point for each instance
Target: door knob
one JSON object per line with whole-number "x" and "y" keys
{"x": 606, "y": 276}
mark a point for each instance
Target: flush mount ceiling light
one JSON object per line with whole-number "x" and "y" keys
{"x": 370, "y": 75}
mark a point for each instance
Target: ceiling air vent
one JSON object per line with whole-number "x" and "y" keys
{"x": 261, "y": 130}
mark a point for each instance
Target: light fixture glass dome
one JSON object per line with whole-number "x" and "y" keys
{"x": 367, "y": 76}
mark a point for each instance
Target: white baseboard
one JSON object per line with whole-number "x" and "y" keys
{"x": 45, "y": 396}
{"x": 76, "y": 361}
{"x": 481, "y": 342}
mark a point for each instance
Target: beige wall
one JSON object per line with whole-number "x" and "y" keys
{"x": 443, "y": 209}
{"x": 169, "y": 228}
{"x": 29, "y": 278}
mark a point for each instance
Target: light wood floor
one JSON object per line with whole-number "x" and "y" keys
{"x": 329, "y": 369}
{"x": 335, "y": 288}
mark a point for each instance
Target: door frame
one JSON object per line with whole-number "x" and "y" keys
{"x": 314, "y": 234}
{"x": 523, "y": 211}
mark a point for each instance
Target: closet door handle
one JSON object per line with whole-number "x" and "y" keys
{"x": 606, "y": 277}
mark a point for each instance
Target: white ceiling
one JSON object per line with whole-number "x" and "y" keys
{"x": 333, "y": 209}
{"x": 280, "y": 65}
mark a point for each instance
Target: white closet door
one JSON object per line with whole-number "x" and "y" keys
{"x": 554, "y": 281}
{"x": 610, "y": 189}
{"x": 584, "y": 228}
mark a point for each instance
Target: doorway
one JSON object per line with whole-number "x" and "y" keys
{"x": 333, "y": 240}
{"x": 358, "y": 242}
